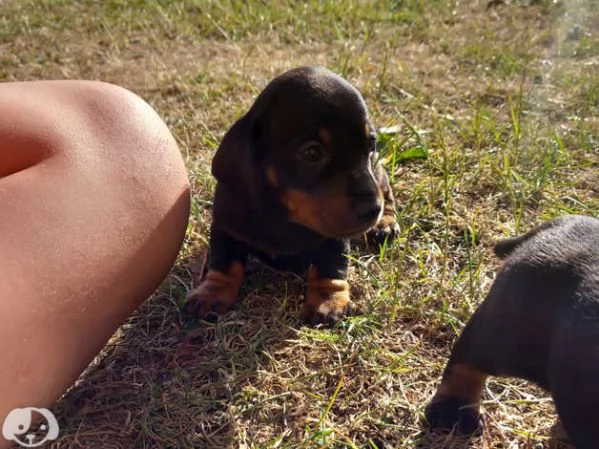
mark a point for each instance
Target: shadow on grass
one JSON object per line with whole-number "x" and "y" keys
{"x": 428, "y": 439}
{"x": 165, "y": 380}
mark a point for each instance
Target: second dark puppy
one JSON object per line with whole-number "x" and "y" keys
{"x": 540, "y": 322}
{"x": 296, "y": 178}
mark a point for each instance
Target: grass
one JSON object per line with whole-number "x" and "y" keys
{"x": 494, "y": 116}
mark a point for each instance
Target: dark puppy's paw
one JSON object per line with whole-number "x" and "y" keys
{"x": 206, "y": 300}
{"x": 327, "y": 300}
{"x": 217, "y": 293}
{"x": 453, "y": 413}
{"x": 387, "y": 228}
{"x": 329, "y": 312}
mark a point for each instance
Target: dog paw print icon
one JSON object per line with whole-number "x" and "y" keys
{"x": 30, "y": 426}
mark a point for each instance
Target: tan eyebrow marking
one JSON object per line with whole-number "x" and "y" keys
{"x": 325, "y": 136}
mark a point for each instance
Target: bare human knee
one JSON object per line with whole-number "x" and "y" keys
{"x": 118, "y": 143}
{"x": 140, "y": 159}
{"x": 93, "y": 126}
{"x": 129, "y": 139}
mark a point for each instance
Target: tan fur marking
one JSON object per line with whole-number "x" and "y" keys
{"x": 302, "y": 208}
{"x": 325, "y": 136}
{"x": 271, "y": 176}
{"x": 217, "y": 293}
{"x": 321, "y": 290}
{"x": 464, "y": 382}
{"x": 388, "y": 223}
{"x": 327, "y": 300}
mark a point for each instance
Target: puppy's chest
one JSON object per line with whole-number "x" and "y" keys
{"x": 296, "y": 263}
{"x": 265, "y": 231}
{"x": 275, "y": 241}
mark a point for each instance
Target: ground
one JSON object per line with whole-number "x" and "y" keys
{"x": 493, "y": 114}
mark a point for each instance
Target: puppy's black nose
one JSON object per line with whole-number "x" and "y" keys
{"x": 368, "y": 210}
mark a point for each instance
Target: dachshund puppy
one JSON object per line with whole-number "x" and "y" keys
{"x": 540, "y": 322}
{"x": 296, "y": 178}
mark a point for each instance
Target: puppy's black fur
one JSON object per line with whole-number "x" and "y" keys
{"x": 540, "y": 322}
{"x": 296, "y": 178}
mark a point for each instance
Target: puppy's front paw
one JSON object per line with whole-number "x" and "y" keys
{"x": 386, "y": 228}
{"x": 208, "y": 299}
{"x": 450, "y": 413}
{"x": 328, "y": 312}
{"x": 327, "y": 300}
{"x": 217, "y": 293}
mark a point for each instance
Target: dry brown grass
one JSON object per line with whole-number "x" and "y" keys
{"x": 504, "y": 98}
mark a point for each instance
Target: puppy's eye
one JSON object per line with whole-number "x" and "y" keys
{"x": 311, "y": 152}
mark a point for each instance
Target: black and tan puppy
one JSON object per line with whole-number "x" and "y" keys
{"x": 540, "y": 322}
{"x": 296, "y": 178}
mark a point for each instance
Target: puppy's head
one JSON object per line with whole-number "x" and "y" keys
{"x": 307, "y": 143}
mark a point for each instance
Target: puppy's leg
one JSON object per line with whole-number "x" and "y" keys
{"x": 574, "y": 379}
{"x": 506, "y": 336}
{"x": 327, "y": 297}
{"x": 387, "y": 227}
{"x": 219, "y": 290}
{"x": 456, "y": 402}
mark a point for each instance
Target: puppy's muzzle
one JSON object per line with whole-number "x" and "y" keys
{"x": 368, "y": 209}
{"x": 366, "y": 198}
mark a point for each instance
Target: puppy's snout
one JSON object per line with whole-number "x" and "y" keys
{"x": 366, "y": 202}
{"x": 368, "y": 208}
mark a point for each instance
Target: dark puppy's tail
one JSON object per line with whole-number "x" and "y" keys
{"x": 505, "y": 247}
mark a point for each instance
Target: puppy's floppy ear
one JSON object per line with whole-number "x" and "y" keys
{"x": 234, "y": 164}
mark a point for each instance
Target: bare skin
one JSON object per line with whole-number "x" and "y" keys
{"x": 94, "y": 202}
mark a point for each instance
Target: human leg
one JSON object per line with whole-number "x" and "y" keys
{"x": 94, "y": 202}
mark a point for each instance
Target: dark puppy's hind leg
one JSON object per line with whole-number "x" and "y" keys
{"x": 327, "y": 295}
{"x": 455, "y": 405}
{"x": 387, "y": 227}
{"x": 219, "y": 290}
